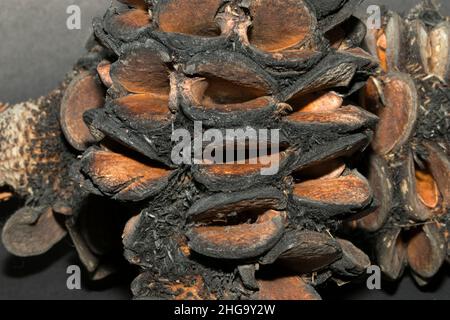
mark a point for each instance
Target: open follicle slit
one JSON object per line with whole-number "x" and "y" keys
{"x": 349, "y": 189}
{"x": 381, "y": 43}
{"x": 242, "y": 151}
{"x": 327, "y": 108}
{"x": 372, "y": 96}
{"x": 237, "y": 234}
{"x": 231, "y": 215}
{"x": 416, "y": 191}
{"x": 336, "y": 37}
{"x": 218, "y": 94}
{"x": 321, "y": 102}
{"x": 269, "y": 25}
{"x": 426, "y": 187}
{"x": 346, "y": 35}
{"x": 389, "y": 43}
{"x": 431, "y": 177}
{"x": 329, "y": 169}
{"x": 146, "y": 78}
{"x": 240, "y": 87}
{"x": 245, "y": 165}
{"x": 130, "y": 177}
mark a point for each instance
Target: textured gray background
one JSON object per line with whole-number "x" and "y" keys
{"x": 36, "y": 51}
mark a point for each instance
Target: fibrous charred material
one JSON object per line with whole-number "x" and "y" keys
{"x": 34, "y": 161}
{"x": 39, "y": 142}
{"x": 409, "y": 167}
{"x": 225, "y": 230}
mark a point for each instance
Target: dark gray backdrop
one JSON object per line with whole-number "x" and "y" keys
{"x": 36, "y": 51}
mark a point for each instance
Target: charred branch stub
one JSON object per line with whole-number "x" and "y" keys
{"x": 409, "y": 165}
{"x": 33, "y": 165}
{"x": 40, "y": 141}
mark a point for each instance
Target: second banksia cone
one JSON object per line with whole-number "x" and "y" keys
{"x": 409, "y": 166}
{"x": 225, "y": 230}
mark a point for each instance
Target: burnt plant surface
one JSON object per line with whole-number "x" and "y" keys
{"x": 36, "y": 162}
{"x": 207, "y": 230}
{"x": 409, "y": 164}
{"x": 202, "y": 231}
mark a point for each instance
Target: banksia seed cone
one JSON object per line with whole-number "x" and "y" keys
{"x": 410, "y": 166}
{"x": 208, "y": 230}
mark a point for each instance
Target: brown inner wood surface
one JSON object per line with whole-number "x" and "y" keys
{"x": 242, "y": 235}
{"x": 396, "y": 117}
{"x": 426, "y": 187}
{"x": 287, "y": 288}
{"x": 222, "y": 95}
{"x": 343, "y": 190}
{"x": 86, "y": 94}
{"x": 145, "y": 107}
{"x": 347, "y": 115}
{"x": 115, "y": 169}
{"x": 243, "y": 169}
{"x": 192, "y": 17}
{"x": 279, "y": 24}
{"x": 381, "y": 50}
{"x": 135, "y": 3}
{"x": 142, "y": 71}
{"x": 134, "y": 19}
